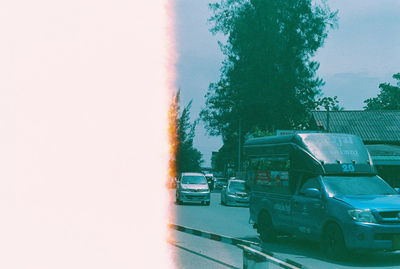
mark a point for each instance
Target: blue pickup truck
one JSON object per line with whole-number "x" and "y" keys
{"x": 322, "y": 187}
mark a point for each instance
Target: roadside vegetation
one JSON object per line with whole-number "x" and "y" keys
{"x": 268, "y": 78}
{"x": 388, "y": 98}
{"x": 184, "y": 157}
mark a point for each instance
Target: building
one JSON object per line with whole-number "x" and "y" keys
{"x": 379, "y": 130}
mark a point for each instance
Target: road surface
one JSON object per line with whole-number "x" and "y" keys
{"x": 195, "y": 252}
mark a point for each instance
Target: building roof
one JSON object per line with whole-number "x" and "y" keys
{"x": 379, "y": 126}
{"x": 384, "y": 154}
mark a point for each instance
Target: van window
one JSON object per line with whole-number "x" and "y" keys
{"x": 270, "y": 173}
{"x": 276, "y": 164}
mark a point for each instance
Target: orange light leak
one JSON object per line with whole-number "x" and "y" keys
{"x": 172, "y": 118}
{"x": 173, "y": 135}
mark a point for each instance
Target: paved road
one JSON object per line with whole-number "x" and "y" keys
{"x": 194, "y": 252}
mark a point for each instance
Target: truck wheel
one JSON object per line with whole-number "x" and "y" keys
{"x": 333, "y": 242}
{"x": 266, "y": 228}
{"x": 208, "y": 203}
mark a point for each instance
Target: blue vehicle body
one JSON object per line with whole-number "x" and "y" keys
{"x": 306, "y": 182}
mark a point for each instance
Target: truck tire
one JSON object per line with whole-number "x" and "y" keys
{"x": 333, "y": 242}
{"x": 265, "y": 227}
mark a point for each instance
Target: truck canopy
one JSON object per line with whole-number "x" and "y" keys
{"x": 317, "y": 153}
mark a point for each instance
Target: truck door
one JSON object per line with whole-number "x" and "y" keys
{"x": 307, "y": 210}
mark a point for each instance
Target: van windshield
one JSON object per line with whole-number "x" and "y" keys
{"x": 374, "y": 185}
{"x": 193, "y": 180}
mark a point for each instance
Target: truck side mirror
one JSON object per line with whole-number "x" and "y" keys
{"x": 312, "y": 192}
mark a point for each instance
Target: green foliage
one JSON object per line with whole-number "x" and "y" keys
{"x": 268, "y": 79}
{"x": 225, "y": 157}
{"x": 328, "y": 103}
{"x": 259, "y": 133}
{"x": 388, "y": 97}
{"x": 188, "y": 158}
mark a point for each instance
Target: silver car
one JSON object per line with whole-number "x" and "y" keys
{"x": 192, "y": 187}
{"x": 235, "y": 193}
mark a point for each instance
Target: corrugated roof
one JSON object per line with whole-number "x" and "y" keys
{"x": 379, "y": 126}
{"x": 383, "y": 150}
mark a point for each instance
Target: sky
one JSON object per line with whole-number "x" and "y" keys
{"x": 361, "y": 53}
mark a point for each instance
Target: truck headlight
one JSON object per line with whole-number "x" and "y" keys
{"x": 362, "y": 215}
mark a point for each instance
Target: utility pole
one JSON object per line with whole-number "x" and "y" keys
{"x": 327, "y": 119}
{"x": 239, "y": 146}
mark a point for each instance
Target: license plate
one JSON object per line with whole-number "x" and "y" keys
{"x": 396, "y": 242}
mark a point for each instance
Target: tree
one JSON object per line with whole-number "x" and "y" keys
{"x": 182, "y": 132}
{"x": 268, "y": 79}
{"x": 328, "y": 103}
{"x": 388, "y": 97}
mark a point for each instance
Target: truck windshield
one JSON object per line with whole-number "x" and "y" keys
{"x": 357, "y": 186}
{"x": 193, "y": 180}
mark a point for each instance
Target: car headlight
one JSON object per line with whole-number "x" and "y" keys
{"x": 362, "y": 215}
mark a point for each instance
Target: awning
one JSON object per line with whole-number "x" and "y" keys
{"x": 384, "y": 154}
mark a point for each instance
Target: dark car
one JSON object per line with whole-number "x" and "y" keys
{"x": 210, "y": 181}
{"x": 220, "y": 182}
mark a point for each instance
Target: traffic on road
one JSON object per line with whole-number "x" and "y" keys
{"x": 312, "y": 198}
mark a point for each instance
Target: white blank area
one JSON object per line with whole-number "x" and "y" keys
{"x": 83, "y": 146}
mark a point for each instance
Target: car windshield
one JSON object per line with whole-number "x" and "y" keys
{"x": 357, "y": 186}
{"x": 236, "y": 186}
{"x": 193, "y": 180}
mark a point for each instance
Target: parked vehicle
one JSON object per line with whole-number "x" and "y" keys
{"x": 192, "y": 187}
{"x": 210, "y": 181}
{"x": 322, "y": 187}
{"x": 235, "y": 193}
{"x": 220, "y": 182}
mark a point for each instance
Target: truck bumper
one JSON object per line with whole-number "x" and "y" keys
{"x": 373, "y": 237}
